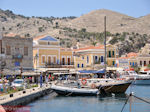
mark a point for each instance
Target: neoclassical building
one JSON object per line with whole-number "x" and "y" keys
{"x": 48, "y": 53}
{"x": 93, "y": 56}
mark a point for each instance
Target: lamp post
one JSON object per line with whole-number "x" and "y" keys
{"x": 35, "y": 59}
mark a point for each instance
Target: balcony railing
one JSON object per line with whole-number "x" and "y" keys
{"x": 17, "y": 56}
{"x": 61, "y": 65}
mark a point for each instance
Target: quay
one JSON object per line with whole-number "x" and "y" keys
{"x": 25, "y": 96}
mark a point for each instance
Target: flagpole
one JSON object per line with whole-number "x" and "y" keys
{"x": 105, "y": 44}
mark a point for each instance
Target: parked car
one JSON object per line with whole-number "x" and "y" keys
{"x": 18, "y": 83}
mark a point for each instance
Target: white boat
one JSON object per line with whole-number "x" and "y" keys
{"x": 107, "y": 85}
{"x": 143, "y": 78}
{"x": 74, "y": 91}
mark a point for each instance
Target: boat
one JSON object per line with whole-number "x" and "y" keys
{"x": 107, "y": 85}
{"x": 143, "y": 78}
{"x": 74, "y": 91}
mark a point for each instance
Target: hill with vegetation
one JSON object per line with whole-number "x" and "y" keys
{"x": 128, "y": 33}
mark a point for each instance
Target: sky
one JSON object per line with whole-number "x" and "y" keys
{"x": 64, "y": 8}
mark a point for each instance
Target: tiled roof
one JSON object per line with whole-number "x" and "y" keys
{"x": 12, "y": 35}
{"x": 132, "y": 54}
{"x": 49, "y": 38}
{"x": 39, "y": 37}
{"x": 90, "y": 47}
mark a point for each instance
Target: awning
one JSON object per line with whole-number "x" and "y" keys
{"x": 92, "y": 71}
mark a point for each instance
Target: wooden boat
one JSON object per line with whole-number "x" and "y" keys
{"x": 74, "y": 91}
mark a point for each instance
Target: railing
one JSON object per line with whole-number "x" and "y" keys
{"x": 17, "y": 56}
{"x": 61, "y": 65}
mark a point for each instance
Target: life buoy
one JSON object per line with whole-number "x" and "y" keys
{"x": 83, "y": 81}
{"x": 93, "y": 86}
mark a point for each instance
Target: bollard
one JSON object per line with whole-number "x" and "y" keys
{"x": 11, "y": 95}
{"x": 24, "y": 92}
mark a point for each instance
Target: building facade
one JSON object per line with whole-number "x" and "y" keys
{"x": 92, "y": 57}
{"x": 47, "y": 53}
{"x": 18, "y": 52}
{"x": 144, "y": 56}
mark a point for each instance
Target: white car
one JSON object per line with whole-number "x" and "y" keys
{"x": 18, "y": 83}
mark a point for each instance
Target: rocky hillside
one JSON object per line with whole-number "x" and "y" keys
{"x": 116, "y": 22}
{"x": 129, "y": 33}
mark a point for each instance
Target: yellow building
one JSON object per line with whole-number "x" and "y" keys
{"x": 47, "y": 53}
{"x": 93, "y": 57}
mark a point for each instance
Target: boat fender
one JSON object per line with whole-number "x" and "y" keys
{"x": 93, "y": 86}
{"x": 83, "y": 81}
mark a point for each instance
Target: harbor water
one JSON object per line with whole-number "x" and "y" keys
{"x": 54, "y": 103}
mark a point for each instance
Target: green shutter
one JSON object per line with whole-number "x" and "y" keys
{"x": 109, "y": 53}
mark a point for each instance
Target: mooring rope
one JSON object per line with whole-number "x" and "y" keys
{"x": 135, "y": 97}
{"x": 125, "y": 103}
{"x": 69, "y": 94}
{"x": 141, "y": 99}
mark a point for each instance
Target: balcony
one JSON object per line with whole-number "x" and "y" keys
{"x": 17, "y": 56}
{"x": 61, "y": 65}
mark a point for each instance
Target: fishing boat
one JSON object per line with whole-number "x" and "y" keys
{"x": 74, "y": 91}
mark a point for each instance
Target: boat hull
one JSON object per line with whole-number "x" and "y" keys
{"x": 66, "y": 91}
{"x": 117, "y": 88}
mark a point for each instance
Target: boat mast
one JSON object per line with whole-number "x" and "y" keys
{"x": 105, "y": 43}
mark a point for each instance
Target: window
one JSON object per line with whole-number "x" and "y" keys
{"x": 54, "y": 60}
{"x": 68, "y": 61}
{"x": 63, "y": 61}
{"x": 87, "y": 59}
{"x": 83, "y": 57}
{"x": 102, "y": 59}
{"x": 141, "y": 63}
{"x": 78, "y": 65}
{"x": 26, "y": 51}
{"x": 8, "y": 50}
{"x": 113, "y": 53}
{"x": 109, "y": 53}
{"x": 144, "y": 63}
{"x": 133, "y": 64}
{"x": 43, "y": 60}
{"x": 113, "y": 62}
{"x": 130, "y": 63}
{"x": 49, "y": 60}
{"x": 17, "y": 50}
{"x": 82, "y": 65}
{"x": 96, "y": 58}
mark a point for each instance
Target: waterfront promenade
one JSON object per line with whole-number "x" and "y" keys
{"x": 24, "y": 96}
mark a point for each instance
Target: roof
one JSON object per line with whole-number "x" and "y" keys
{"x": 49, "y": 38}
{"x": 90, "y": 47}
{"x": 132, "y": 54}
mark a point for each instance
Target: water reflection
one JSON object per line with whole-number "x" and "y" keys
{"x": 110, "y": 103}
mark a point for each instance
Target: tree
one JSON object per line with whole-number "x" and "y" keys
{"x": 40, "y": 29}
{"x": 56, "y": 24}
{"x": 94, "y": 43}
{"x": 83, "y": 30}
